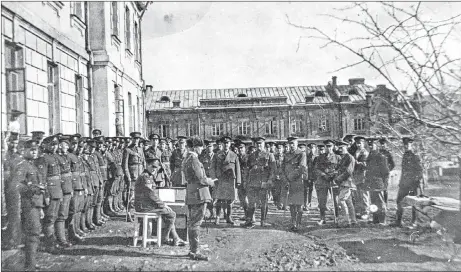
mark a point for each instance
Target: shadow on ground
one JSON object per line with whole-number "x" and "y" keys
{"x": 384, "y": 251}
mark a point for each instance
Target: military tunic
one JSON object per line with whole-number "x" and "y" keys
{"x": 177, "y": 177}
{"x": 226, "y": 168}
{"x": 66, "y": 186}
{"x": 325, "y": 167}
{"x": 343, "y": 179}
{"x": 133, "y": 163}
{"x": 77, "y": 200}
{"x": 362, "y": 198}
{"x": 279, "y": 192}
{"x": 376, "y": 180}
{"x": 294, "y": 170}
{"x": 261, "y": 173}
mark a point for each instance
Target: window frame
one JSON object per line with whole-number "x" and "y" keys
{"x": 359, "y": 124}
{"x": 127, "y": 29}
{"x": 217, "y": 129}
{"x": 244, "y": 128}
{"x": 74, "y": 12}
{"x": 164, "y": 130}
{"x": 115, "y": 20}
{"x": 323, "y": 124}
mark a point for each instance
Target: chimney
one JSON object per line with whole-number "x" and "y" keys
{"x": 334, "y": 82}
{"x": 309, "y": 98}
{"x": 176, "y": 103}
{"x": 356, "y": 81}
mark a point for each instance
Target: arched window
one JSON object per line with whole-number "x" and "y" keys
{"x": 164, "y": 99}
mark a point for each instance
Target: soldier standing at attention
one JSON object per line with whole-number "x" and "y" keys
{"x": 109, "y": 156}
{"x": 178, "y": 155}
{"x": 375, "y": 179}
{"x": 278, "y": 184}
{"x": 226, "y": 168}
{"x": 294, "y": 170}
{"x": 77, "y": 199}
{"x": 86, "y": 223}
{"x": 410, "y": 180}
{"x": 166, "y": 155}
{"x": 38, "y": 136}
{"x": 311, "y": 156}
{"x": 49, "y": 167}
{"x": 324, "y": 173}
{"x": 241, "y": 191}
{"x": 133, "y": 165}
{"x": 362, "y": 197}
{"x": 96, "y": 178}
{"x": 153, "y": 151}
{"x": 384, "y": 149}
{"x": 344, "y": 180}
{"x": 101, "y": 155}
{"x": 119, "y": 191}
{"x": 197, "y": 194}
{"x": 206, "y": 157}
{"x": 261, "y": 170}
{"x": 67, "y": 191}
{"x": 32, "y": 190}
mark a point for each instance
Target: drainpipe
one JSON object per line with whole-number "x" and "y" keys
{"x": 90, "y": 65}
{"x": 142, "y": 78}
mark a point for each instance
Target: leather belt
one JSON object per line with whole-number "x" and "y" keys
{"x": 65, "y": 175}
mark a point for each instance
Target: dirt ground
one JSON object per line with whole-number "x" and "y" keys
{"x": 272, "y": 248}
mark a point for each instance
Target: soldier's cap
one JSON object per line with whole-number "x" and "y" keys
{"x": 162, "y": 140}
{"x": 270, "y": 143}
{"x": 259, "y": 139}
{"x": 208, "y": 142}
{"x": 383, "y": 140}
{"x": 154, "y": 136}
{"x": 32, "y": 144}
{"x": 78, "y": 135}
{"x": 321, "y": 146}
{"x": 406, "y": 140}
{"x": 96, "y": 132}
{"x": 349, "y": 137}
{"x": 251, "y": 147}
{"x": 341, "y": 143}
{"x": 181, "y": 139}
{"x": 226, "y": 139}
{"x": 59, "y": 134}
{"x": 15, "y": 113}
{"x": 135, "y": 134}
{"x": 310, "y": 145}
{"x": 150, "y": 160}
{"x": 241, "y": 144}
{"x": 292, "y": 138}
{"x": 38, "y": 134}
{"x": 359, "y": 138}
{"x": 302, "y": 144}
{"x": 279, "y": 144}
{"x": 237, "y": 141}
{"x": 91, "y": 143}
{"x": 328, "y": 142}
{"x": 194, "y": 142}
{"x": 168, "y": 139}
{"x": 109, "y": 140}
{"x": 51, "y": 139}
{"x": 74, "y": 139}
{"x": 64, "y": 139}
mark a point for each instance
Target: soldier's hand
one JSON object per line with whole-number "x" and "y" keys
{"x": 47, "y": 201}
{"x": 42, "y": 214}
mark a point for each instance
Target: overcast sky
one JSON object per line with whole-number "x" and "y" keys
{"x": 230, "y": 45}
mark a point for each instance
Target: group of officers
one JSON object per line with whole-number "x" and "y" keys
{"x": 68, "y": 185}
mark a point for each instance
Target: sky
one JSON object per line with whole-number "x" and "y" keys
{"x": 210, "y": 45}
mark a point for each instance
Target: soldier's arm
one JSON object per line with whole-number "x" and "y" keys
{"x": 238, "y": 173}
{"x": 172, "y": 159}
{"x": 199, "y": 173}
{"x": 346, "y": 169}
{"x": 152, "y": 194}
{"x": 303, "y": 165}
{"x": 125, "y": 164}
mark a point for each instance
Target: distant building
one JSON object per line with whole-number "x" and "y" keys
{"x": 68, "y": 64}
{"x": 312, "y": 113}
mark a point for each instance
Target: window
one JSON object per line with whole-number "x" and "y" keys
{"x": 119, "y": 111}
{"x": 323, "y": 124}
{"x": 114, "y": 18}
{"x": 131, "y": 114}
{"x": 136, "y": 41}
{"x": 138, "y": 113}
{"x": 127, "y": 28}
{"x": 359, "y": 124}
{"x": 78, "y": 9}
{"x": 191, "y": 130}
{"x": 271, "y": 128}
{"x": 217, "y": 129}
{"x": 15, "y": 82}
{"x": 69, "y": 107}
{"x": 296, "y": 126}
{"x": 86, "y": 112}
{"x": 244, "y": 128}
{"x": 164, "y": 130}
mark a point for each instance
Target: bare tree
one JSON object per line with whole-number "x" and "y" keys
{"x": 404, "y": 39}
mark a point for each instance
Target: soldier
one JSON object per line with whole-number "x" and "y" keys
{"x": 102, "y": 156}
{"x": 147, "y": 200}
{"x": 177, "y": 178}
{"x": 241, "y": 191}
{"x": 32, "y": 190}
{"x": 38, "y": 136}
{"x": 77, "y": 200}
{"x": 384, "y": 149}
{"x": 226, "y": 168}
{"x": 219, "y": 146}
{"x": 67, "y": 191}
{"x": 352, "y": 146}
{"x": 294, "y": 170}
{"x": 361, "y": 198}
{"x": 166, "y": 155}
{"x": 311, "y": 156}
{"x": 120, "y": 185}
{"x": 134, "y": 165}
{"x": 206, "y": 157}
{"x": 261, "y": 170}
{"x": 49, "y": 167}
{"x": 197, "y": 194}
{"x": 324, "y": 173}
{"x": 96, "y": 132}
{"x": 278, "y": 175}
{"x": 321, "y": 149}
{"x": 96, "y": 178}
{"x": 112, "y": 174}
{"x": 410, "y": 180}
{"x": 86, "y": 223}
{"x": 376, "y": 178}
{"x": 154, "y": 151}
{"x": 344, "y": 180}
{"x": 12, "y": 196}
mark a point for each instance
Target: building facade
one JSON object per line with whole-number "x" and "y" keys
{"x": 60, "y": 68}
{"x": 312, "y": 113}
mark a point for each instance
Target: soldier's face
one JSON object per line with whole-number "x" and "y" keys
{"x": 280, "y": 149}
{"x": 260, "y": 145}
{"x": 155, "y": 142}
{"x": 359, "y": 144}
{"x": 374, "y": 146}
{"x": 210, "y": 148}
{"x": 64, "y": 147}
{"x": 182, "y": 144}
{"x": 13, "y": 145}
{"x": 302, "y": 148}
{"x": 220, "y": 146}
{"x": 408, "y": 146}
{"x": 162, "y": 145}
{"x": 293, "y": 145}
{"x": 52, "y": 147}
{"x": 135, "y": 141}
{"x": 329, "y": 148}
{"x": 31, "y": 153}
{"x": 384, "y": 145}
{"x": 242, "y": 150}
{"x": 343, "y": 149}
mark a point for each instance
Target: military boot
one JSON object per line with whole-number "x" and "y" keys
{"x": 218, "y": 213}
{"x": 61, "y": 234}
{"x": 77, "y": 220}
{"x": 104, "y": 209}
{"x": 83, "y": 222}
{"x": 30, "y": 249}
{"x": 97, "y": 215}
{"x": 89, "y": 220}
{"x": 299, "y": 217}
{"x": 110, "y": 206}
{"x": 229, "y": 214}
{"x": 73, "y": 233}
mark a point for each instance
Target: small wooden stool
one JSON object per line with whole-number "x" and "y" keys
{"x": 147, "y": 226}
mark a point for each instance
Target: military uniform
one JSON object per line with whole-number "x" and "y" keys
{"x": 294, "y": 170}
{"x": 86, "y": 222}
{"x": 242, "y": 191}
{"x": 32, "y": 191}
{"x": 261, "y": 165}
{"x": 67, "y": 191}
{"x": 133, "y": 163}
{"x": 309, "y": 182}
{"x": 362, "y": 198}
{"x": 391, "y": 165}
{"x": 324, "y": 173}
{"x": 197, "y": 195}
{"x": 279, "y": 191}
{"x": 165, "y": 159}
{"x": 112, "y": 177}
{"x": 50, "y": 169}
{"x": 226, "y": 168}
{"x": 102, "y": 157}
{"x": 344, "y": 180}
{"x": 376, "y": 178}
{"x": 177, "y": 177}
{"x": 77, "y": 200}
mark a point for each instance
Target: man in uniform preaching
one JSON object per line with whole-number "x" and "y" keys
{"x": 295, "y": 169}
{"x": 197, "y": 194}
{"x": 226, "y": 168}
